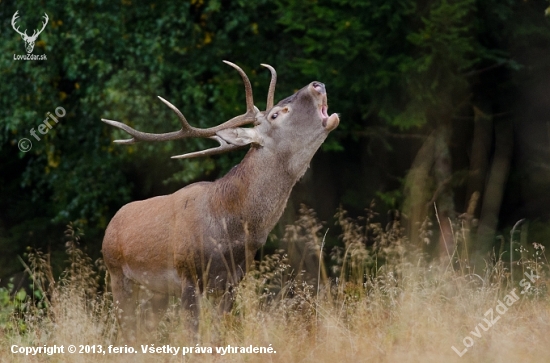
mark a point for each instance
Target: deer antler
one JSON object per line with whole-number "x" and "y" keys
{"x": 13, "y": 20}
{"x": 271, "y": 93}
{"x": 249, "y": 117}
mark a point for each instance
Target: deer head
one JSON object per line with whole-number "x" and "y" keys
{"x": 29, "y": 41}
{"x": 269, "y": 123}
{"x": 206, "y": 234}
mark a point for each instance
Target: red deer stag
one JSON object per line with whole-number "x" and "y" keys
{"x": 206, "y": 234}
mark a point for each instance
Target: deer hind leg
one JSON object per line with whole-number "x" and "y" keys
{"x": 124, "y": 291}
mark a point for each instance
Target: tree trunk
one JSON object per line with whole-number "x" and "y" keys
{"x": 480, "y": 154}
{"x": 417, "y": 189}
{"x": 443, "y": 196}
{"x": 494, "y": 191}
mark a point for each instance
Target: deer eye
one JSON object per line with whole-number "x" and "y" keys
{"x": 274, "y": 116}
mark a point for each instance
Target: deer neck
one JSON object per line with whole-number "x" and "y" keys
{"x": 256, "y": 190}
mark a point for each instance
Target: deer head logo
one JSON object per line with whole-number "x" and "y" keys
{"x": 29, "y": 41}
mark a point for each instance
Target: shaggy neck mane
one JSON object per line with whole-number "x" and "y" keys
{"x": 255, "y": 191}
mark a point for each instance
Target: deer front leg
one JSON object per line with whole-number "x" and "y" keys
{"x": 190, "y": 303}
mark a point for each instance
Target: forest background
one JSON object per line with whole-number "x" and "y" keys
{"x": 444, "y": 104}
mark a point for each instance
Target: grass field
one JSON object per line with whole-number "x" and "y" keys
{"x": 384, "y": 303}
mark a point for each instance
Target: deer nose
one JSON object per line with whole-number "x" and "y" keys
{"x": 319, "y": 87}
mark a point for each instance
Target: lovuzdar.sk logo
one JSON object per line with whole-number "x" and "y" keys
{"x": 29, "y": 40}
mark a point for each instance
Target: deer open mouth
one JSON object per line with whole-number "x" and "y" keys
{"x": 329, "y": 122}
{"x": 324, "y": 114}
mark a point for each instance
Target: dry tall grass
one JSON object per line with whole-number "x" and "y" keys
{"x": 387, "y": 304}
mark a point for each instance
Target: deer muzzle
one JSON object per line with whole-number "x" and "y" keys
{"x": 329, "y": 122}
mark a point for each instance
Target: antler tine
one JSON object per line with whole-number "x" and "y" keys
{"x": 224, "y": 147}
{"x": 191, "y": 131}
{"x": 143, "y": 136}
{"x": 271, "y": 93}
{"x": 247, "y": 87}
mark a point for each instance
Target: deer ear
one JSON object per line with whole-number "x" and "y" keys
{"x": 241, "y": 136}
